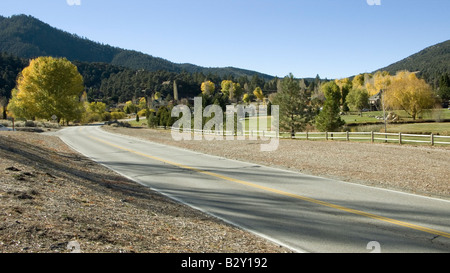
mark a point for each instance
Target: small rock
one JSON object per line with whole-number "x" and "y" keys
{"x": 50, "y": 175}
{"x": 60, "y": 246}
{"x": 19, "y": 177}
{"x": 28, "y": 174}
{"x": 24, "y": 196}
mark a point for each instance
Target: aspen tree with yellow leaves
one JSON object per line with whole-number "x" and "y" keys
{"x": 258, "y": 93}
{"x": 47, "y": 88}
{"x": 208, "y": 88}
{"x": 358, "y": 81}
{"x": 246, "y": 98}
{"x": 409, "y": 93}
{"x": 231, "y": 89}
{"x": 378, "y": 82}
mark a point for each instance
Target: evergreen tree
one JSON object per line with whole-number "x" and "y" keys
{"x": 295, "y": 105}
{"x": 444, "y": 88}
{"x": 329, "y": 119}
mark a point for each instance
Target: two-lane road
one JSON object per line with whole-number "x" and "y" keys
{"x": 305, "y": 213}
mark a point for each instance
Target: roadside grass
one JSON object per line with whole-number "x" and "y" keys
{"x": 140, "y": 123}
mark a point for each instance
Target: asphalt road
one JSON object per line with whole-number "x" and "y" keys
{"x": 305, "y": 213}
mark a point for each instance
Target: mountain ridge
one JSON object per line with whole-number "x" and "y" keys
{"x": 431, "y": 63}
{"x": 28, "y": 37}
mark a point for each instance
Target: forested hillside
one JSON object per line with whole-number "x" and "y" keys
{"x": 432, "y": 63}
{"x": 116, "y": 84}
{"x": 115, "y": 75}
{"x": 27, "y": 37}
{"x": 10, "y": 67}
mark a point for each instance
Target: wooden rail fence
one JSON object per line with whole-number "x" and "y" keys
{"x": 373, "y": 137}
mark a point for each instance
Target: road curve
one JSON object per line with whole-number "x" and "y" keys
{"x": 305, "y": 213}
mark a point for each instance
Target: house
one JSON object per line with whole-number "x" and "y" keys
{"x": 375, "y": 102}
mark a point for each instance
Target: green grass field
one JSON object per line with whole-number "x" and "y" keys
{"x": 421, "y": 128}
{"x": 265, "y": 120}
{"x": 378, "y": 125}
{"x": 370, "y": 117}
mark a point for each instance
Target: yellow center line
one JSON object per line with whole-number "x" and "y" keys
{"x": 299, "y": 197}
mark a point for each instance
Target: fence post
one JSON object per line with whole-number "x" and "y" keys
{"x": 326, "y": 135}
{"x": 432, "y": 139}
{"x": 307, "y": 135}
{"x": 400, "y": 138}
{"x": 348, "y": 136}
{"x": 372, "y": 137}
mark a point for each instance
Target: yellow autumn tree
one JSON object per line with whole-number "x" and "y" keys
{"x": 94, "y": 112}
{"x": 130, "y": 107}
{"x": 208, "y": 88}
{"x": 156, "y": 96}
{"x": 142, "y": 103}
{"x": 380, "y": 81}
{"x": 409, "y": 93}
{"x": 358, "y": 81}
{"x": 231, "y": 89}
{"x": 246, "y": 98}
{"x": 47, "y": 88}
{"x": 226, "y": 86}
{"x": 258, "y": 93}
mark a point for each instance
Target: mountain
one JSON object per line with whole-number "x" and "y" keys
{"x": 431, "y": 62}
{"x": 27, "y": 37}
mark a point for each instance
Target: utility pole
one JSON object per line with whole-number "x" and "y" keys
{"x": 384, "y": 114}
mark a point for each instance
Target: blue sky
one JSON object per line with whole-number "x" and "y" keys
{"x": 332, "y": 38}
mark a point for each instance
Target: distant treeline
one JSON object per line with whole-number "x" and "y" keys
{"x": 114, "y": 84}
{"x": 10, "y": 67}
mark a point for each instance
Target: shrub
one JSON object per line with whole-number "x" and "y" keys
{"x": 30, "y": 123}
{"x": 118, "y": 115}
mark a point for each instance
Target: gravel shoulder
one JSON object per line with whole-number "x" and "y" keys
{"x": 51, "y": 196}
{"x": 422, "y": 170}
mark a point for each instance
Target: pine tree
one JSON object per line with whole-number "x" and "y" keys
{"x": 295, "y": 105}
{"x": 329, "y": 119}
{"x": 444, "y": 88}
